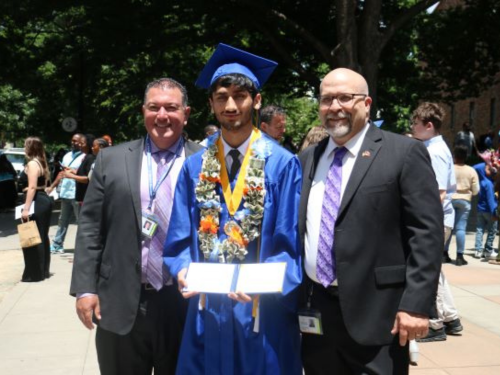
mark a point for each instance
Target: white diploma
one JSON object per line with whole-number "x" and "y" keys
{"x": 254, "y": 278}
{"x": 19, "y": 210}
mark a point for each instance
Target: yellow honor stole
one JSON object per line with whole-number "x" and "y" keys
{"x": 233, "y": 198}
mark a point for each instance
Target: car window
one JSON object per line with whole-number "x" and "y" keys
{"x": 14, "y": 158}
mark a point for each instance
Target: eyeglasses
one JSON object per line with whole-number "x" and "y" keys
{"x": 169, "y": 108}
{"x": 343, "y": 99}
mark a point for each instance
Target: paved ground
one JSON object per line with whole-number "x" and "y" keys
{"x": 40, "y": 333}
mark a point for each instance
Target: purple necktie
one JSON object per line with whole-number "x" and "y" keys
{"x": 325, "y": 262}
{"x": 157, "y": 273}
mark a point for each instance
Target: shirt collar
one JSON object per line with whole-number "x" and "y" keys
{"x": 172, "y": 149}
{"x": 437, "y": 138}
{"x": 241, "y": 148}
{"x": 353, "y": 145}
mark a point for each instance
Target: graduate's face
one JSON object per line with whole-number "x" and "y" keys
{"x": 233, "y": 107}
{"x": 164, "y": 115}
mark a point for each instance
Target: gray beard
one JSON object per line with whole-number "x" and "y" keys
{"x": 339, "y": 131}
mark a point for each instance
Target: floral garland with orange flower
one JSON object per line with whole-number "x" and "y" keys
{"x": 243, "y": 227}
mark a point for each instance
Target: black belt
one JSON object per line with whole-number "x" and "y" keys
{"x": 332, "y": 290}
{"x": 147, "y": 287}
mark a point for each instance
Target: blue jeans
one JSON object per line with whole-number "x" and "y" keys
{"x": 462, "y": 209}
{"x": 485, "y": 222}
{"x": 68, "y": 208}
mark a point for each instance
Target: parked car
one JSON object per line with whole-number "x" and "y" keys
{"x": 17, "y": 157}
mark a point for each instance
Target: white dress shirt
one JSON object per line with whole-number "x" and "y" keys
{"x": 315, "y": 202}
{"x": 241, "y": 148}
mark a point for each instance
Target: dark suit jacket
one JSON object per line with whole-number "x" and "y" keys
{"x": 388, "y": 235}
{"x": 108, "y": 244}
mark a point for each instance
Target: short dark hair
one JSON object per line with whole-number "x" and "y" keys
{"x": 236, "y": 79}
{"x": 102, "y": 143}
{"x": 460, "y": 153}
{"x": 209, "y": 128}
{"x": 268, "y": 112}
{"x": 430, "y": 112}
{"x": 167, "y": 83}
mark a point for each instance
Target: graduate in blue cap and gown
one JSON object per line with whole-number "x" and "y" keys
{"x": 238, "y": 207}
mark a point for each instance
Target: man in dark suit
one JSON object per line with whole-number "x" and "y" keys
{"x": 372, "y": 225}
{"x": 118, "y": 277}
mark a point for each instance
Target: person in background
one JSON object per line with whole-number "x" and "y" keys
{"x": 208, "y": 131}
{"x": 97, "y": 146}
{"x": 108, "y": 139}
{"x": 81, "y": 175}
{"x": 315, "y": 135}
{"x": 427, "y": 121}
{"x": 467, "y": 186}
{"x": 69, "y": 205}
{"x": 273, "y": 122}
{"x": 56, "y": 164}
{"x": 118, "y": 277}
{"x": 8, "y": 190}
{"x": 487, "y": 205}
{"x": 466, "y": 137}
{"x": 37, "y": 258}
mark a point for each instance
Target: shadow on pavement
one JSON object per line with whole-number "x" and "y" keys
{"x": 8, "y": 225}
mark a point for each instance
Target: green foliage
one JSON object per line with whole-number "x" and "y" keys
{"x": 92, "y": 59}
{"x": 16, "y": 112}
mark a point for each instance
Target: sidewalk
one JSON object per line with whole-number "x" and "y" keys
{"x": 41, "y": 334}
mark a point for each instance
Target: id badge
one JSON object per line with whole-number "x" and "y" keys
{"x": 149, "y": 224}
{"x": 310, "y": 322}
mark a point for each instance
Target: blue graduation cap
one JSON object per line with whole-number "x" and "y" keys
{"x": 227, "y": 60}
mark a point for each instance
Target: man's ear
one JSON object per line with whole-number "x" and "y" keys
{"x": 187, "y": 112}
{"x": 257, "y": 102}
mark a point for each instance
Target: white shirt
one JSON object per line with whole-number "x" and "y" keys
{"x": 315, "y": 202}
{"x": 442, "y": 163}
{"x": 242, "y": 149}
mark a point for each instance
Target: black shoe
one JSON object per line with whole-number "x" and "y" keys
{"x": 446, "y": 258}
{"x": 454, "y": 327}
{"x": 434, "y": 335}
{"x": 461, "y": 261}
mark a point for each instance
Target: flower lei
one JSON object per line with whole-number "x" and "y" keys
{"x": 243, "y": 227}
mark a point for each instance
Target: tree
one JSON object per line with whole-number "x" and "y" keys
{"x": 91, "y": 59}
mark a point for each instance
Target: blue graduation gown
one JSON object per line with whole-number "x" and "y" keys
{"x": 220, "y": 338}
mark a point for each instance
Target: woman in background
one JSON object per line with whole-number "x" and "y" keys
{"x": 36, "y": 172}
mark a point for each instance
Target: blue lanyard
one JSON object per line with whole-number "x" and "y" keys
{"x": 153, "y": 191}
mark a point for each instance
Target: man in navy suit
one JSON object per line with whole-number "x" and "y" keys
{"x": 385, "y": 243}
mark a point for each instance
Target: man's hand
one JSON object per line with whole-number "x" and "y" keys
{"x": 181, "y": 280}
{"x": 85, "y": 306}
{"x": 240, "y": 297}
{"x": 410, "y": 326}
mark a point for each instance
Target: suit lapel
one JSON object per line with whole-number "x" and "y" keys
{"x": 309, "y": 169}
{"x": 133, "y": 161}
{"x": 367, "y": 154}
